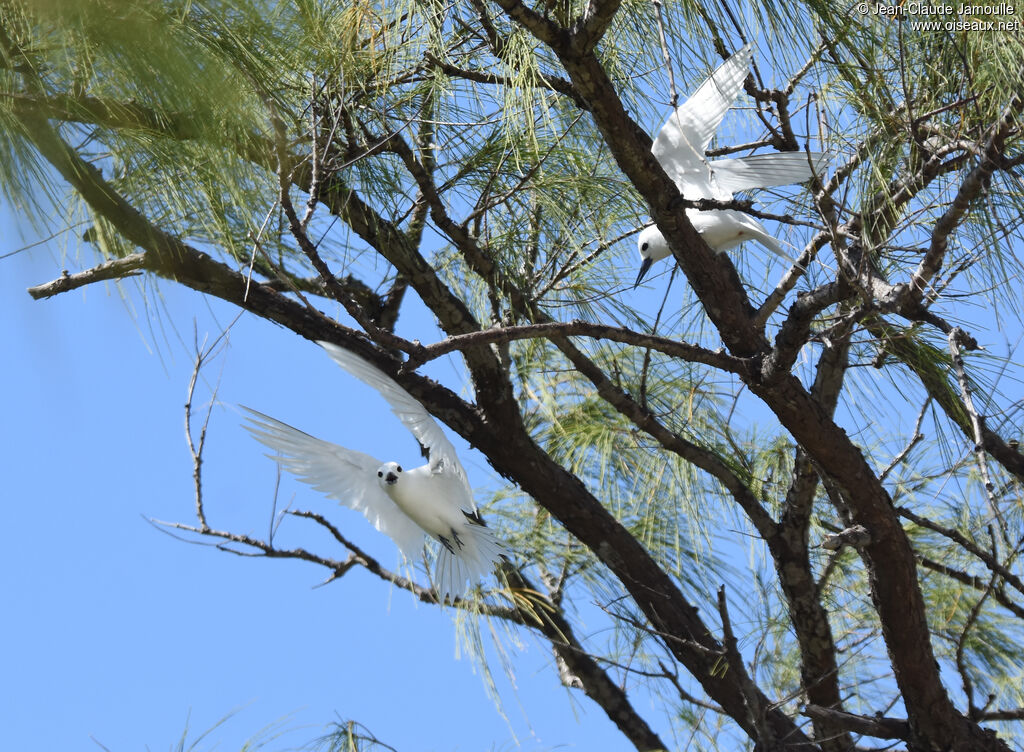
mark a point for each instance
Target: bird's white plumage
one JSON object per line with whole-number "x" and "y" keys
{"x": 443, "y": 458}
{"x": 345, "y": 475}
{"x": 434, "y": 499}
{"x": 680, "y": 149}
{"x": 765, "y": 170}
{"x": 682, "y": 141}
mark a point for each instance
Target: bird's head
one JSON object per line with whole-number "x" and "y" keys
{"x": 652, "y": 246}
{"x": 388, "y": 474}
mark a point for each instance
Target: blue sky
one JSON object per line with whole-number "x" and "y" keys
{"x": 119, "y": 633}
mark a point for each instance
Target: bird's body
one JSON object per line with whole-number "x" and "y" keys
{"x": 721, "y": 229}
{"x": 434, "y": 499}
{"x": 679, "y": 149}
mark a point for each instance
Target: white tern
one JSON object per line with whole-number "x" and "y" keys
{"x": 434, "y": 499}
{"x": 680, "y": 147}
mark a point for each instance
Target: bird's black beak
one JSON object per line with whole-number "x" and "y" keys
{"x": 644, "y": 267}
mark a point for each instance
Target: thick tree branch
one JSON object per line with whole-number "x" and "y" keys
{"x": 711, "y": 275}
{"x": 819, "y": 671}
{"x": 897, "y": 593}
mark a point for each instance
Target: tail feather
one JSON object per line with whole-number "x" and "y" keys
{"x": 457, "y": 570}
{"x": 767, "y": 170}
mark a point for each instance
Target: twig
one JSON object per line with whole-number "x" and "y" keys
{"x": 755, "y": 712}
{"x": 956, "y": 337}
{"x": 968, "y": 545}
{"x": 914, "y": 439}
{"x": 999, "y": 594}
{"x": 972, "y": 617}
{"x": 814, "y": 56}
{"x": 538, "y": 164}
{"x": 309, "y": 249}
{"x": 1016, "y": 714}
{"x": 972, "y": 185}
{"x": 673, "y": 94}
{"x": 47, "y": 239}
{"x": 315, "y": 159}
{"x": 710, "y": 654}
{"x": 257, "y": 248}
{"x": 196, "y": 448}
{"x": 644, "y": 370}
{"x": 789, "y": 279}
{"x": 554, "y": 83}
{"x": 571, "y": 265}
{"x": 685, "y": 696}
{"x": 744, "y": 205}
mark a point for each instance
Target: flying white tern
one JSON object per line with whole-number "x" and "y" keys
{"x": 680, "y": 147}
{"x": 434, "y": 499}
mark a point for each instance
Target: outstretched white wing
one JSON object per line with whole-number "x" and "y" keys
{"x": 341, "y": 474}
{"x": 681, "y": 142}
{"x": 443, "y": 458}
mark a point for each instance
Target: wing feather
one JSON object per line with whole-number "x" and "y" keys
{"x": 682, "y": 141}
{"x": 415, "y": 417}
{"x": 344, "y": 475}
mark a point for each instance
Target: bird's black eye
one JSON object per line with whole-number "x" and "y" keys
{"x": 380, "y": 473}
{"x": 644, "y": 246}
{"x": 398, "y": 468}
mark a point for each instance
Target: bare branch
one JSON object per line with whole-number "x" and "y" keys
{"x": 954, "y": 535}
{"x": 196, "y": 450}
{"x": 576, "y": 328}
{"x": 961, "y": 644}
{"x": 673, "y": 97}
{"x": 999, "y": 593}
{"x": 753, "y": 699}
{"x": 129, "y": 266}
{"x": 915, "y": 438}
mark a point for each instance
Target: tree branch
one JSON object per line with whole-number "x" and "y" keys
{"x": 968, "y": 545}
{"x": 999, "y": 594}
{"x": 129, "y": 266}
{"x": 577, "y": 328}
{"x": 877, "y": 727}
{"x": 597, "y": 17}
{"x": 956, "y": 337}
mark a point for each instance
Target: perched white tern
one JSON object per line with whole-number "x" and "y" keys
{"x": 434, "y": 499}
{"x": 680, "y": 147}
